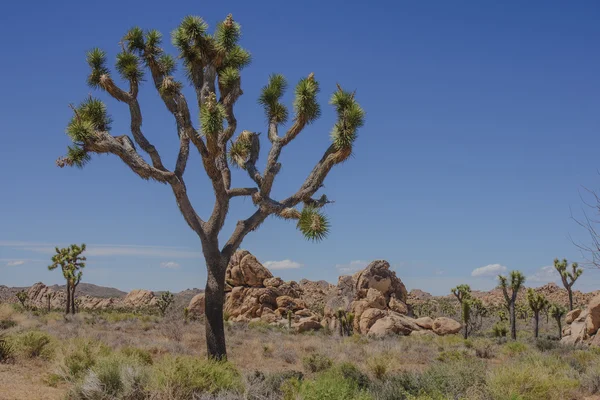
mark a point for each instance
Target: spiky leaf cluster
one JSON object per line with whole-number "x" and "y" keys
{"x": 240, "y": 149}
{"x": 71, "y": 261}
{"x": 313, "y": 224}
{"x": 164, "y": 302}
{"x": 557, "y": 311}
{"x": 128, "y": 66}
{"x": 270, "y": 99}
{"x": 537, "y": 301}
{"x": 89, "y": 117}
{"x": 212, "y": 115}
{"x": 462, "y": 292}
{"x": 305, "y": 102}
{"x": 350, "y": 118}
{"x": 96, "y": 59}
{"x": 569, "y": 277}
{"x": 191, "y": 40}
{"x": 227, "y": 34}
{"x": 516, "y": 281}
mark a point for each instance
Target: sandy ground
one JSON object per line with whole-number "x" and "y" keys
{"x": 25, "y": 381}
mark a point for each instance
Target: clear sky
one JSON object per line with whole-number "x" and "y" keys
{"x": 482, "y": 127}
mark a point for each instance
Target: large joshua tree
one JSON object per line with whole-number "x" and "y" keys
{"x": 514, "y": 285}
{"x": 568, "y": 277}
{"x": 463, "y": 295}
{"x": 70, "y": 260}
{"x": 212, "y": 64}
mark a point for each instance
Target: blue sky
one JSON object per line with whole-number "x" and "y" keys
{"x": 482, "y": 127}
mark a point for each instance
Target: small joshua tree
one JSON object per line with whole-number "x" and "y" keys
{"x": 164, "y": 302}
{"x": 22, "y": 297}
{"x": 213, "y": 64}
{"x": 70, "y": 260}
{"x": 463, "y": 295}
{"x": 537, "y": 302}
{"x": 557, "y": 312}
{"x": 568, "y": 277}
{"x": 346, "y": 322}
{"x": 514, "y": 285}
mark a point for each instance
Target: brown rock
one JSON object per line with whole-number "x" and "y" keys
{"x": 424, "y": 322}
{"x": 446, "y": 326}
{"x": 572, "y": 315}
{"x": 393, "y": 323}
{"x": 578, "y": 334}
{"x": 378, "y": 276}
{"x": 595, "y": 341}
{"x": 249, "y": 302}
{"x": 368, "y": 318}
{"x": 289, "y": 303}
{"x": 197, "y": 306}
{"x": 245, "y": 270}
{"x": 268, "y": 316}
{"x": 593, "y": 318}
{"x": 397, "y": 306}
{"x": 139, "y": 298}
{"x": 307, "y": 324}
{"x": 273, "y": 282}
{"x": 375, "y": 299}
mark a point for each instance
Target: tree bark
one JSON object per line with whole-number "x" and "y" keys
{"x": 570, "y": 298}
{"x": 73, "y": 311}
{"x": 68, "y": 308}
{"x": 537, "y": 323}
{"x": 513, "y": 321}
{"x": 214, "y": 300}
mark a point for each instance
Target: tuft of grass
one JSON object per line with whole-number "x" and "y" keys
{"x": 316, "y": 362}
{"x": 514, "y": 348}
{"x": 34, "y": 344}
{"x": 6, "y": 350}
{"x": 533, "y": 377}
{"x": 331, "y": 385}
{"x": 77, "y": 356}
{"x": 185, "y": 377}
{"x": 378, "y": 366}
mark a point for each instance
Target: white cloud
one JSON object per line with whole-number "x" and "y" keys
{"x": 352, "y": 266}
{"x": 169, "y": 265}
{"x": 545, "y": 275}
{"x": 14, "y": 263}
{"x": 283, "y": 264}
{"x": 102, "y": 250}
{"x": 489, "y": 270}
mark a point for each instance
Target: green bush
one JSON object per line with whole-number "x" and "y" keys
{"x": 143, "y": 356}
{"x": 378, "y": 366}
{"x": 514, "y": 348}
{"x": 7, "y": 324}
{"x": 351, "y": 373}
{"x": 34, "y": 344}
{"x": 533, "y": 377}
{"x": 185, "y": 377}
{"x": 331, "y": 385}
{"x": 6, "y": 350}
{"x": 485, "y": 349}
{"x": 500, "y": 330}
{"x": 546, "y": 344}
{"x": 590, "y": 380}
{"x": 77, "y": 356}
{"x": 453, "y": 379}
{"x": 452, "y": 355}
{"x": 316, "y": 362}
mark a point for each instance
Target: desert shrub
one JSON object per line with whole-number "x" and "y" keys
{"x": 396, "y": 387}
{"x": 7, "y": 324}
{"x": 546, "y": 344}
{"x": 378, "y": 366}
{"x": 331, "y": 385}
{"x": 261, "y": 386}
{"x": 453, "y": 379}
{"x": 499, "y": 330}
{"x": 287, "y": 354}
{"x": 143, "y": 356}
{"x": 6, "y": 350}
{"x": 452, "y": 355}
{"x": 34, "y": 344}
{"x": 185, "y": 377}
{"x": 514, "y": 348}
{"x": 113, "y": 377}
{"x": 173, "y": 330}
{"x": 532, "y": 377}
{"x": 590, "y": 379}
{"x": 77, "y": 356}
{"x": 351, "y": 372}
{"x": 484, "y": 349}
{"x": 316, "y": 362}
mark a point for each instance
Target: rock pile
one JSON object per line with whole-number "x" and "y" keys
{"x": 583, "y": 326}
{"x": 40, "y": 294}
{"x": 376, "y": 298}
{"x": 254, "y": 294}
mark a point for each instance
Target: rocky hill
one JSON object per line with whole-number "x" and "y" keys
{"x": 89, "y": 289}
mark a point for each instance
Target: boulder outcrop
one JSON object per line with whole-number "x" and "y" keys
{"x": 583, "y": 325}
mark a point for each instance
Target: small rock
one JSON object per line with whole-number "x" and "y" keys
{"x": 446, "y": 326}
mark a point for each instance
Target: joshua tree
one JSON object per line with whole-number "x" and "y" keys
{"x": 345, "y": 321}
{"x": 22, "y": 297}
{"x": 164, "y": 302}
{"x": 71, "y": 262}
{"x": 557, "y": 312}
{"x": 568, "y": 278}
{"x": 516, "y": 281}
{"x": 212, "y": 64}
{"x": 463, "y": 294}
{"x": 537, "y": 302}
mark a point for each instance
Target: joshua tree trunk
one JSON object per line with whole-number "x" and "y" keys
{"x": 73, "y": 311}
{"x": 513, "y": 321}
{"x": 214, "y": 300}
{"x": 570, "y": 298}
{"x": 558, "y": 321}
{"x": 536, "y": 315}
{"x": 68, "y": 309}
{"x": 466, "y": 332}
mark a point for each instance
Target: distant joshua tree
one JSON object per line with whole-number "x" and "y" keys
{"x": 164, "y": 302}
{"x": 568, "y": 277}
{"x": 463, "y": 295}
{"x": 70, "y": 260}
{"x": 537, "y": 303}
{"x": 516, "y": 281}
{"x": 22, "y": 297}
{"x": 213, "y": 65}
{"x": 557, "y": 312}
